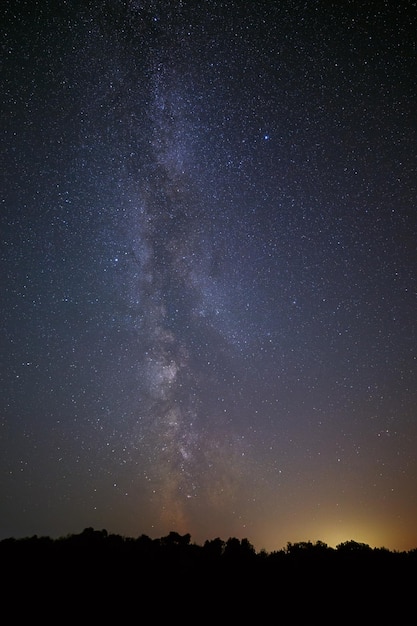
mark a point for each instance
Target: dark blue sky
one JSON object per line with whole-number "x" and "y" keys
{"x": 208, "y": 295}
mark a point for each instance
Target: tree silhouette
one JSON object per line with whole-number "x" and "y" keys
{"x": 103, "y": 571}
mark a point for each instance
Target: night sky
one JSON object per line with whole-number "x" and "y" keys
{"x": 209, "y": 270}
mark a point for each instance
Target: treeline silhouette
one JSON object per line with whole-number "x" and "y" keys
{"x": 100, "y": 573}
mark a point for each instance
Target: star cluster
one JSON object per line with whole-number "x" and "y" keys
{"x": 209, "y": 270}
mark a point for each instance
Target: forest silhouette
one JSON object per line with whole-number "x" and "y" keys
{"x": 96, "y": 575}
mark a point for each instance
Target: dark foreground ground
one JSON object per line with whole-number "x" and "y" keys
{"x": 95, "y": 577}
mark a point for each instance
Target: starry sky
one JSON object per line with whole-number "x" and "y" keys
{"x": 208, "y": 284}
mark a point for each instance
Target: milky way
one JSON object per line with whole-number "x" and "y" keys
{"x": 184, "y": 303}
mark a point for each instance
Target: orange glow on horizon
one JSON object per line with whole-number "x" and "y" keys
{"x": 334, "y": 532}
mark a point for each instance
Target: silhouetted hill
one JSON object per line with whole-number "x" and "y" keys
{"x": 95, "y": 575}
